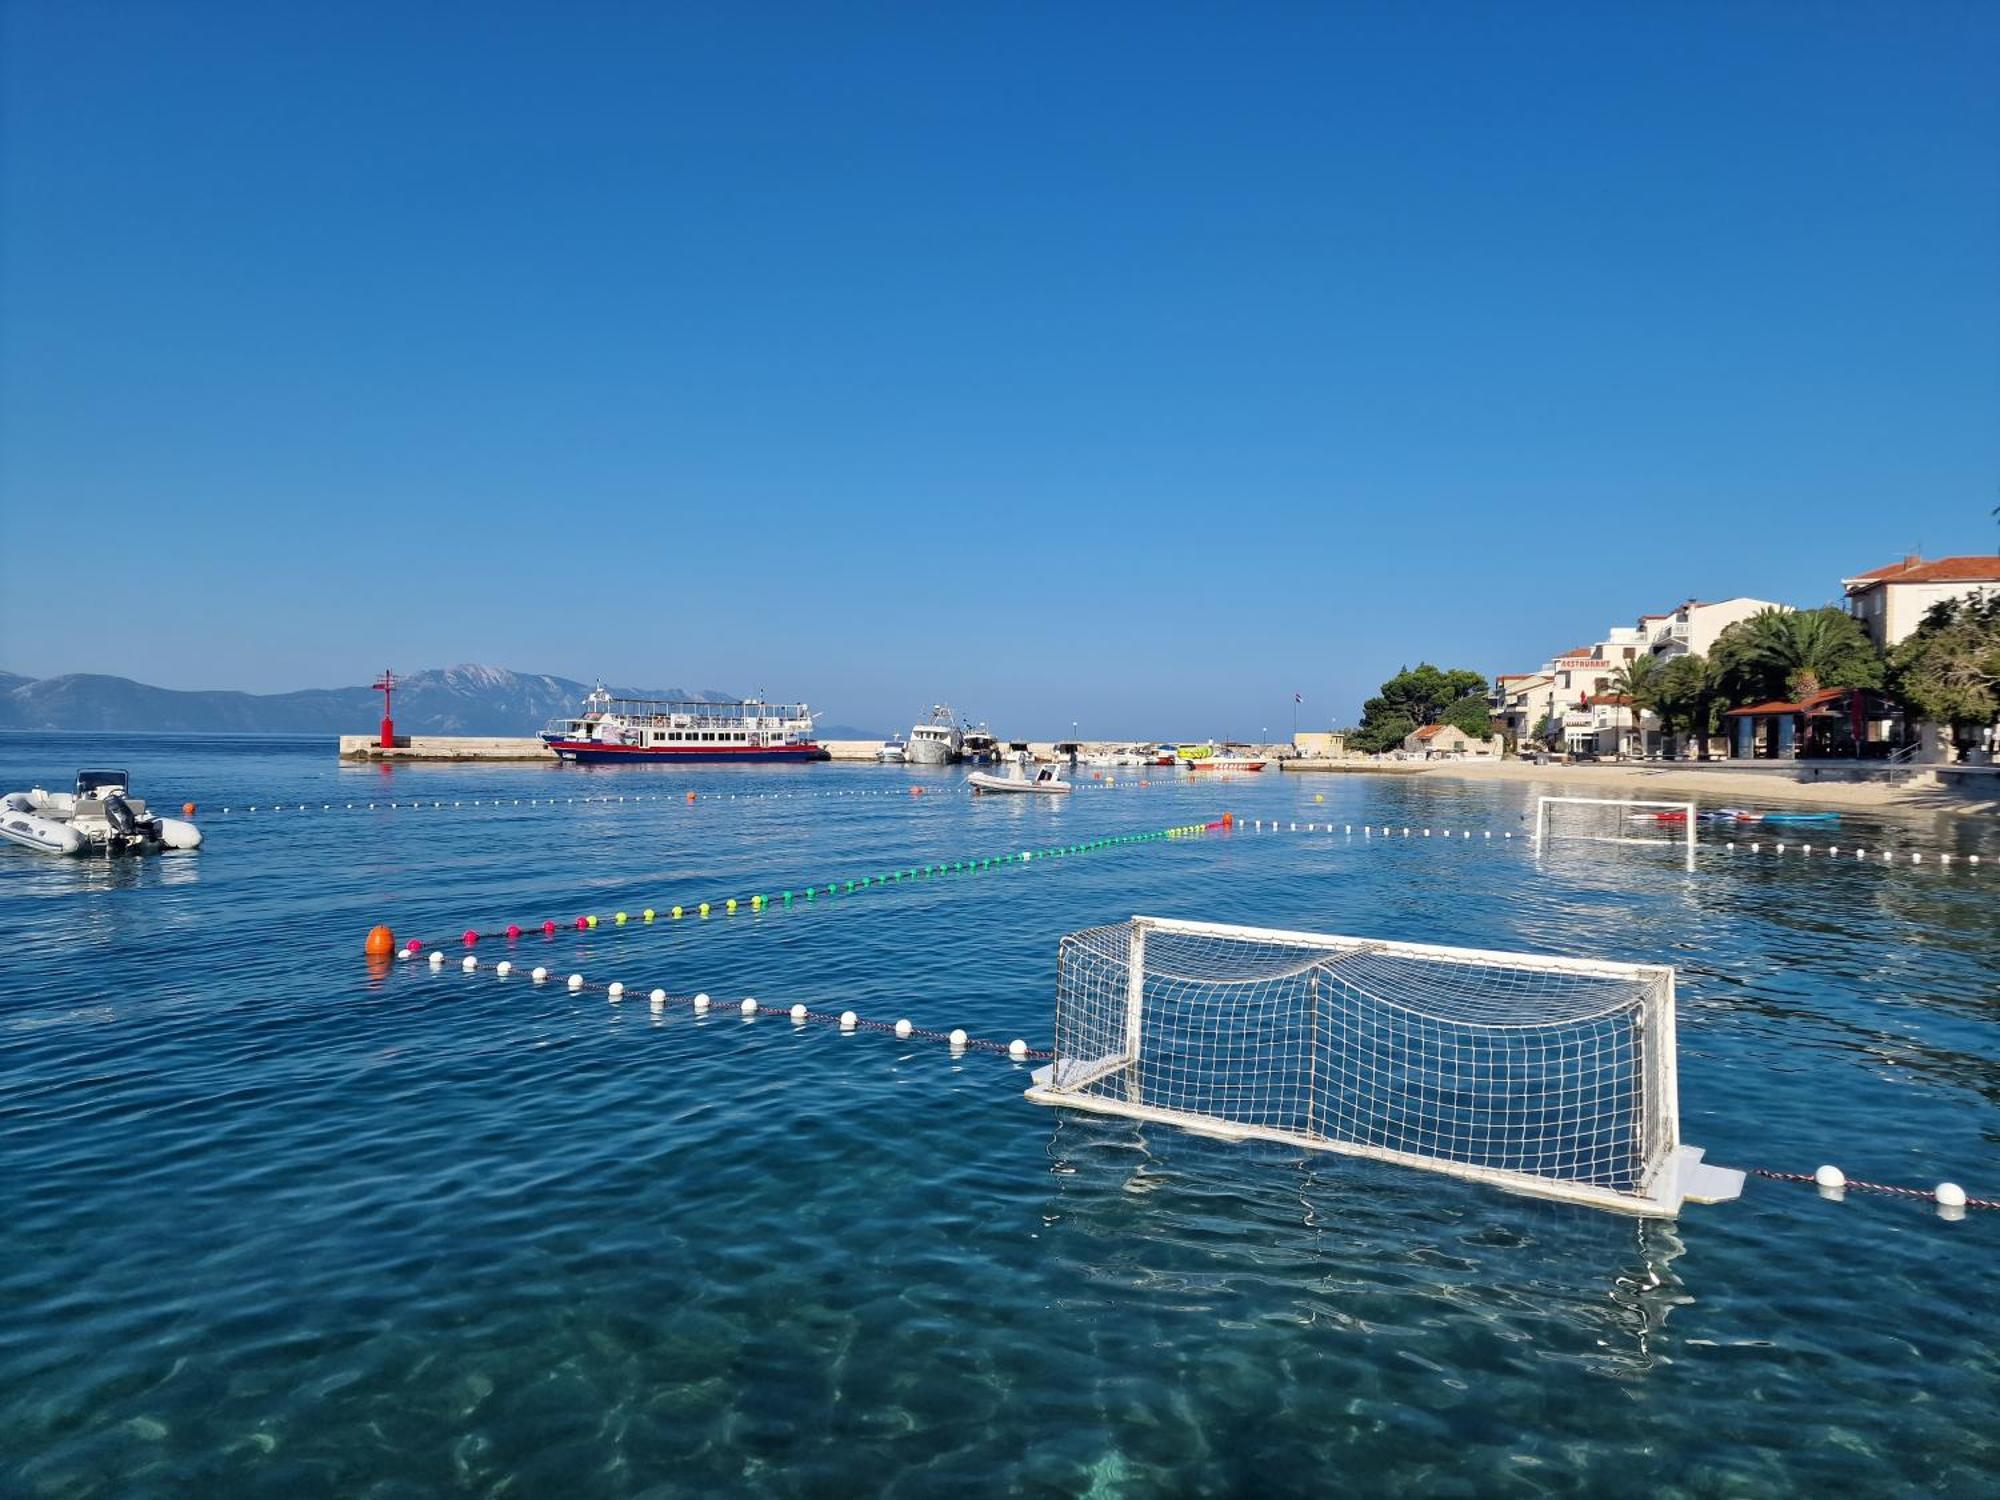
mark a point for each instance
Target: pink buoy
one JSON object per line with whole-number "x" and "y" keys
{"x": 471, "y": 938}
{"x": 549, "y": 928}
{"x": 513, "y": 931}
{"x": 581, "y": 923}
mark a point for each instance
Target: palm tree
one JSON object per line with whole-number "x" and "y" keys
{"x": 1685, "y": 698}
{"x": 1786, "y": 653}
{"x": 1637, "y": 682}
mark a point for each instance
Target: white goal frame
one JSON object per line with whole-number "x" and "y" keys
{"x": 1666, "y": 835}
{"x": 1115, "y": 1080}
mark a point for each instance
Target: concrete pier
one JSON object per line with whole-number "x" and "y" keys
{"x": 444, "y": 747}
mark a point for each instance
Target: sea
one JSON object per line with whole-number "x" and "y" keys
{"x": 277, "y": 1220}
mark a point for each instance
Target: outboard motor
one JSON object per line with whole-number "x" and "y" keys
{"x": 118, "y": 813}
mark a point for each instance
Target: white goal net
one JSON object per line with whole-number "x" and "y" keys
{"x": 1549, "y": 1076}
{"x": 1666, "y": 825}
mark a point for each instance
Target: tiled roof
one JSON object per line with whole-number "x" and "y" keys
{"x": 1938, "y": 570}
{"x": 1430, "y": 731}
{"x": 1607, "y": 700}
{"x": 1805, "y": 705}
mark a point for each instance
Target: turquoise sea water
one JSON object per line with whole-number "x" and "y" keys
{"x": 277, "y": 1224}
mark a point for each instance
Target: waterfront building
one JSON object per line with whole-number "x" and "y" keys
{"x": 1890, "y": 602}
{"x": 1448, "y": 742}
{"x": 1692, "y": 629}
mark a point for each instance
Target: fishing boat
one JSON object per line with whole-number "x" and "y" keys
{"x": 1044, "y": 780}
{"x": 978, "y": 745}
{"x": 100, "y": 817}
{"x": 624, "y": 731}
{"x": 937, "y": 741}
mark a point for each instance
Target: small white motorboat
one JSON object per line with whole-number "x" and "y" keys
{"x": 99, "y": 817}
{"x": 892, "y": 752}
{"x": 1044, "y": 780}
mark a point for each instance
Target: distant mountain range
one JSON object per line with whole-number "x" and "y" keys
{"x": 466, "y": 699}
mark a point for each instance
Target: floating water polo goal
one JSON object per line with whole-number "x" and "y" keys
{"x": 1664, "y": 825}
{"x": 1548, "y": 1076}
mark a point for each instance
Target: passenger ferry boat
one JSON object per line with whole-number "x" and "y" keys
{"x": 624, "y": 730}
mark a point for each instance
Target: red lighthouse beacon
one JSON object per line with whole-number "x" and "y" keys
{"x": 386, "y": 686}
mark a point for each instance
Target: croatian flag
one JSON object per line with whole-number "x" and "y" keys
{"x": 1298, "y": 698}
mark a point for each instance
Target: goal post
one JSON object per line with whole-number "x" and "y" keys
{"x": 1664, "y": 825}
{"x": 1548, "y": 1076}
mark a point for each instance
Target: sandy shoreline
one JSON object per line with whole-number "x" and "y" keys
{"x": 1721, "y": 787}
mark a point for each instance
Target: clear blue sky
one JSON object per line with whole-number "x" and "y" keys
{"x": 1137, "y": 365}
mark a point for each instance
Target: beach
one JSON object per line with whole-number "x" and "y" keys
{"x": 1725, "y": 783}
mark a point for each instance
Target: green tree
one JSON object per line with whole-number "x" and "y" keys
{"x": 1688, "y": 699}
{"x": 1784, "y": 654}
{"x": 1471, "y": 716}
{"x": 1948, "y": 669}
{"x": 1422, "y": 695}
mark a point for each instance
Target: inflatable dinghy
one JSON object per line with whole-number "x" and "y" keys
{"x": 99, "y": 817}
{"x": 1044, "y": 780}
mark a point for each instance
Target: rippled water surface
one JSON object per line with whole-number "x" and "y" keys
{"x": 278, "y": 1224}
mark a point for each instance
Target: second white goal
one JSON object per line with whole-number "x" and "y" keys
{"x": 1667, "y": 825}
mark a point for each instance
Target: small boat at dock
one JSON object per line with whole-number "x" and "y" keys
{"x": 1226, "y": 763}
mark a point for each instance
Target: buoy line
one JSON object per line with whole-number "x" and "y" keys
{"x": 1391, "y": 832}
{"x": 808, "y": 895}
{"x": 430, "y": 804}
{"x": 1834, "y": 1183}
{"x": 750, "y": 1008}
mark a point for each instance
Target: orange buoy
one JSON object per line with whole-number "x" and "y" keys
{"x": 916, "y": 791}
{"x": 690, "y": 796}
{"x": 1229, "y": 820}
{"x": 187, "y": 809}
{"x": 381, "y": 942}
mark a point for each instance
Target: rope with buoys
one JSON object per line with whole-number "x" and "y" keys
{"x": 761, "y": 902}
{"x": 1833, "y": 1183}
{"x": 750, "y": 1008}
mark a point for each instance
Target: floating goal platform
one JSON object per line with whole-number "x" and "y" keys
{"x": 1548, "y": 1076}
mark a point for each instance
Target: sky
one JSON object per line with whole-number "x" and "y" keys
{"x": 1133, "y": 366}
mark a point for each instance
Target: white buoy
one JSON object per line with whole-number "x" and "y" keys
{"x": 402, "y": 955}
{"x": 659, "y": 999}
{"x": 469, "y": 964}
{"x": 958, "y": 1037}
{"x": 503, "y": 968}
{"x": 798, "y": 1013}
{"x": 576, "y": 981}
{"x": 1781, "y": 848}
{"x": 1830, "y": 1177}
{"x": 903, "y": 1028}
{"x": 1017, "y": 1049}
{"x": 749, "y": 1005}
{"x": 437, "y": 958}
{"x": 1950, "y": 1195}
{"x": 701, "y": 1005}
{"x": 540, "y": 975}
{"x": 849, "y": 1020}
{"x": 615, "y": 991}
